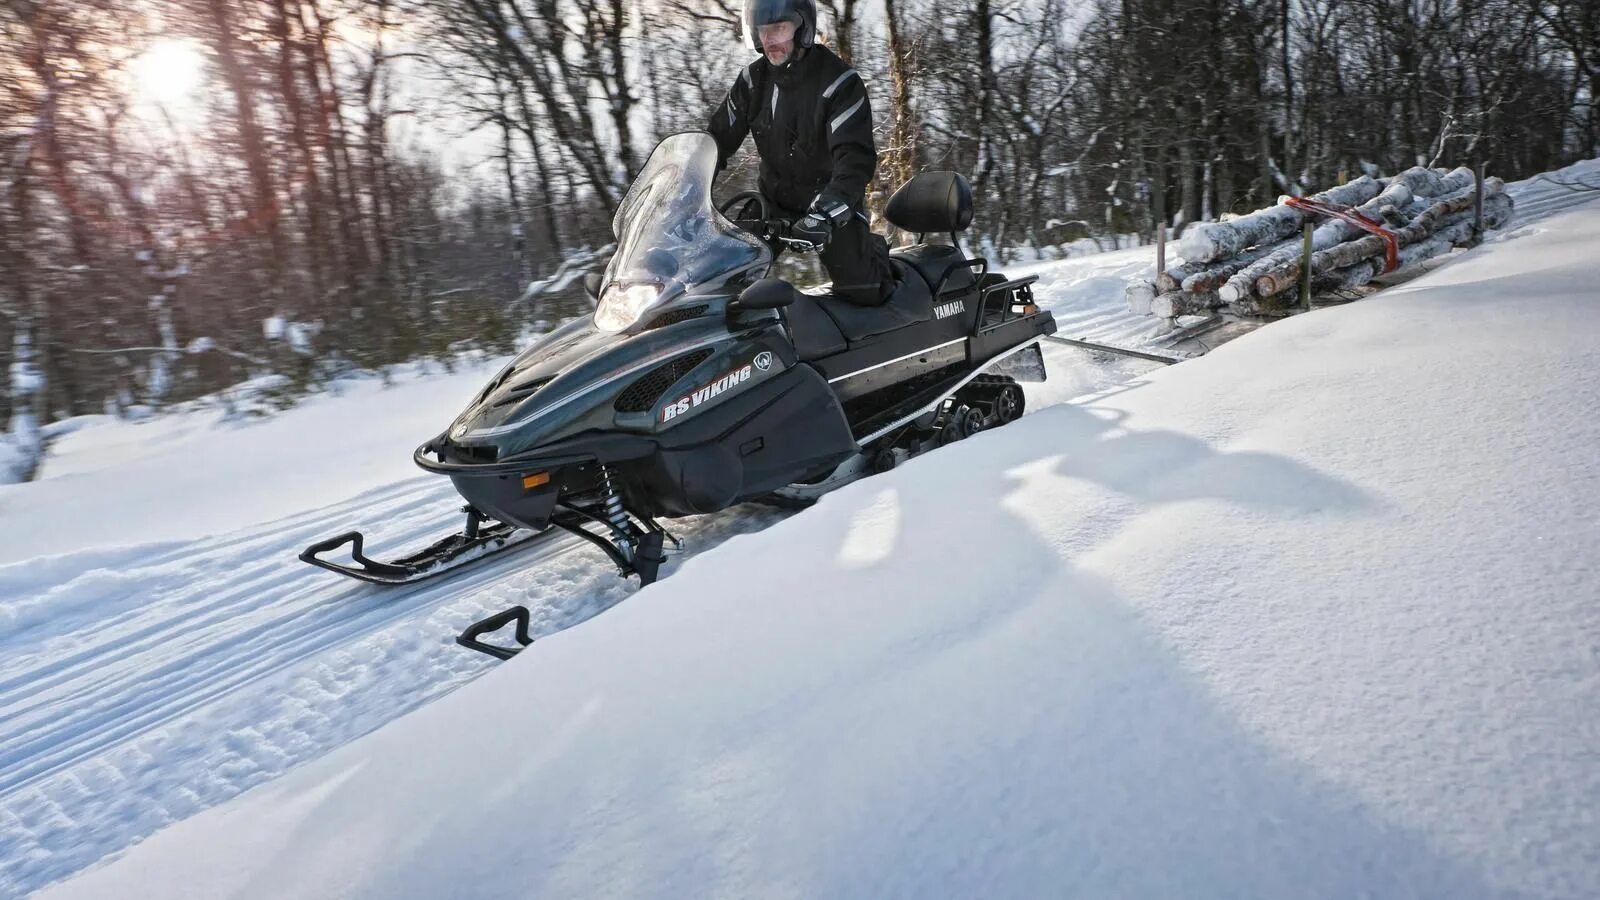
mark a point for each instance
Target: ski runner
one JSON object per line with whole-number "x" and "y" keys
{"x": 812, "y": 124}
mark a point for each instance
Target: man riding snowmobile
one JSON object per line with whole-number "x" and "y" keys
{"x": 701, "y": 381}
{"x": 812, "y": 124}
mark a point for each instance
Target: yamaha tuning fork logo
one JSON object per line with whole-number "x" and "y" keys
{"x": 762, "y": 362}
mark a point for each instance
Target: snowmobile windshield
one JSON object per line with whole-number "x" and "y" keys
{"x": 671, "y": 240}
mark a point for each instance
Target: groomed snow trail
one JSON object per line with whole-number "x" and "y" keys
{"x": 157, "y": 681}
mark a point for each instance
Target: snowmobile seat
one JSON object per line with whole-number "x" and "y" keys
{"x": 910, "y": 302}
{"x": 932, "y": 262}
{"x": 811, "y": 329}
{"x": 934, "y": 202}
{"x": 930, "y": 202}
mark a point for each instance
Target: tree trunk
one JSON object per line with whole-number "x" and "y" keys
{"x": 901, "y": 159}
{"x": 519, "y": 244}
{"x": 317, "y": 239}
{"x": 251, "y": 139}
{"x": 546, "y": 184}
{"x": 622, "y": 100}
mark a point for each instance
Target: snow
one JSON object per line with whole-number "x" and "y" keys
{"x": 12, "y": 460}
{"x": 189, "y": 476}
{"x": 162, "y": 650}
{"x": 1312, "y": 615}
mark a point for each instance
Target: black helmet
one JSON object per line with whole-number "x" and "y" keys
{"x": 803, "y": 13}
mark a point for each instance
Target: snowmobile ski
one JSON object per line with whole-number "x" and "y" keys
{"x": 474, "y": 543}
{"x": 472, "y": 637}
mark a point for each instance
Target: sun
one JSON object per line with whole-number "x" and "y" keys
{"x": 167, "y": 73}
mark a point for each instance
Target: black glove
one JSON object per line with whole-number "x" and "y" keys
{"x": 816, "y": 228}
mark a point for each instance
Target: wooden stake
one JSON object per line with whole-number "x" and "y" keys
{"x": 1305, "y": 267}
{"x": 1477, "y": 204}
{"x": 1161, "y": 248}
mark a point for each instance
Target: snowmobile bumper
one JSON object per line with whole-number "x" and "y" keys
{"x": 745, "y": 447}
{"x": 523, "y": 489}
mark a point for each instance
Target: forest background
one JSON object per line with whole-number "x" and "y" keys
{"x": 199, "y": 194}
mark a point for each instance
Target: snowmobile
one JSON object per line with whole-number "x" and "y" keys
{"x": 700, "y": 382}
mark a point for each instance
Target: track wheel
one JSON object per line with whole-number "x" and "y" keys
{"x": 1008, "y": 404}
{"x": 951, "y": 431}
{"x": 970, "y": 419}
{"x": 964, "y": 421}
{"x": 883, "y": 460}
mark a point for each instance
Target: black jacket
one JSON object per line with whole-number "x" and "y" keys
{"x": 812, "y": 124}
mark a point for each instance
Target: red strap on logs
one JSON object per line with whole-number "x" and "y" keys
{"x": 1391, "y": 244}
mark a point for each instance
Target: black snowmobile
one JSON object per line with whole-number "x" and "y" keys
{"x": 699, "y": 382}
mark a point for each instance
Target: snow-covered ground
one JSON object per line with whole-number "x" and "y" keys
{"x": 1193, "y": 634}
{"x": 163, "y": 650}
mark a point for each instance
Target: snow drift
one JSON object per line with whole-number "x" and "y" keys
{"x": 1314, "y": 615}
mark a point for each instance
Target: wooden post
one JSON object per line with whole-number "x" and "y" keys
{"x": 1305, "y": 267}
{"x": 1477, "y": 204}
{"x": 1161, "y": 248}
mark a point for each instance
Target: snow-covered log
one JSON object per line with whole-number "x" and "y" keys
{"x": 1139, "y": 294}
{"x": 1333, "y": 231}
{"x": 1215, "y": 275}
{"x": 1497, "y": 209}
{"x": 1207, "y": 242}
{"x": 1399, "y": 193}
{"x": 1348, "y": 253}
{"x": 1172, "y": 279}
{"x": 1184, "y": 303}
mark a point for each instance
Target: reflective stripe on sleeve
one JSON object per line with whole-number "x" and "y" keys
{"x": 841, "y": 118}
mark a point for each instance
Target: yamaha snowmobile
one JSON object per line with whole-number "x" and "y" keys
{"x": 699, "y": 382}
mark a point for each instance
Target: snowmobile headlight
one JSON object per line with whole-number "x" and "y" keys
{"x": 622, "y": 306}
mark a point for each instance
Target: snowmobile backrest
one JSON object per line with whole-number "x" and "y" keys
{"x": 932, "y": 202}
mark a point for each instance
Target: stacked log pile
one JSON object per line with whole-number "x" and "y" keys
{"x": 1252, "y": 264}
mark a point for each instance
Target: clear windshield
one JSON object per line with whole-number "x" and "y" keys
{"x": 670, "y": 238}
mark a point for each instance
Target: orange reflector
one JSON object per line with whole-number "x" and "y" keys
{"x": 529, "y": 482}
{"x": 1029, "y": 309}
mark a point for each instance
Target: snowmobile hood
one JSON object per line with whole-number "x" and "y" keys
{"x": 664, "y": 296}
{"x": 568, "y": 382}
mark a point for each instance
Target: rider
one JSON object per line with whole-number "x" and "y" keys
{"x": 812, "y": 124}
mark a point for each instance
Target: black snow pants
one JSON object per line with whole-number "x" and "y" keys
{"x": 858, "y": 262}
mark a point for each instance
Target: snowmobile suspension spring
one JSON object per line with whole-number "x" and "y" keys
{"x": 615, "y": 514}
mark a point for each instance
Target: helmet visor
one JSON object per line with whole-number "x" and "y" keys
{"x": 758, "y": 13}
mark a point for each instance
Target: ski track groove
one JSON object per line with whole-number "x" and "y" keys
{"x": 183, "y": 682}
{"x": 125, "y": 645}
{"x": 194, "y": 623}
